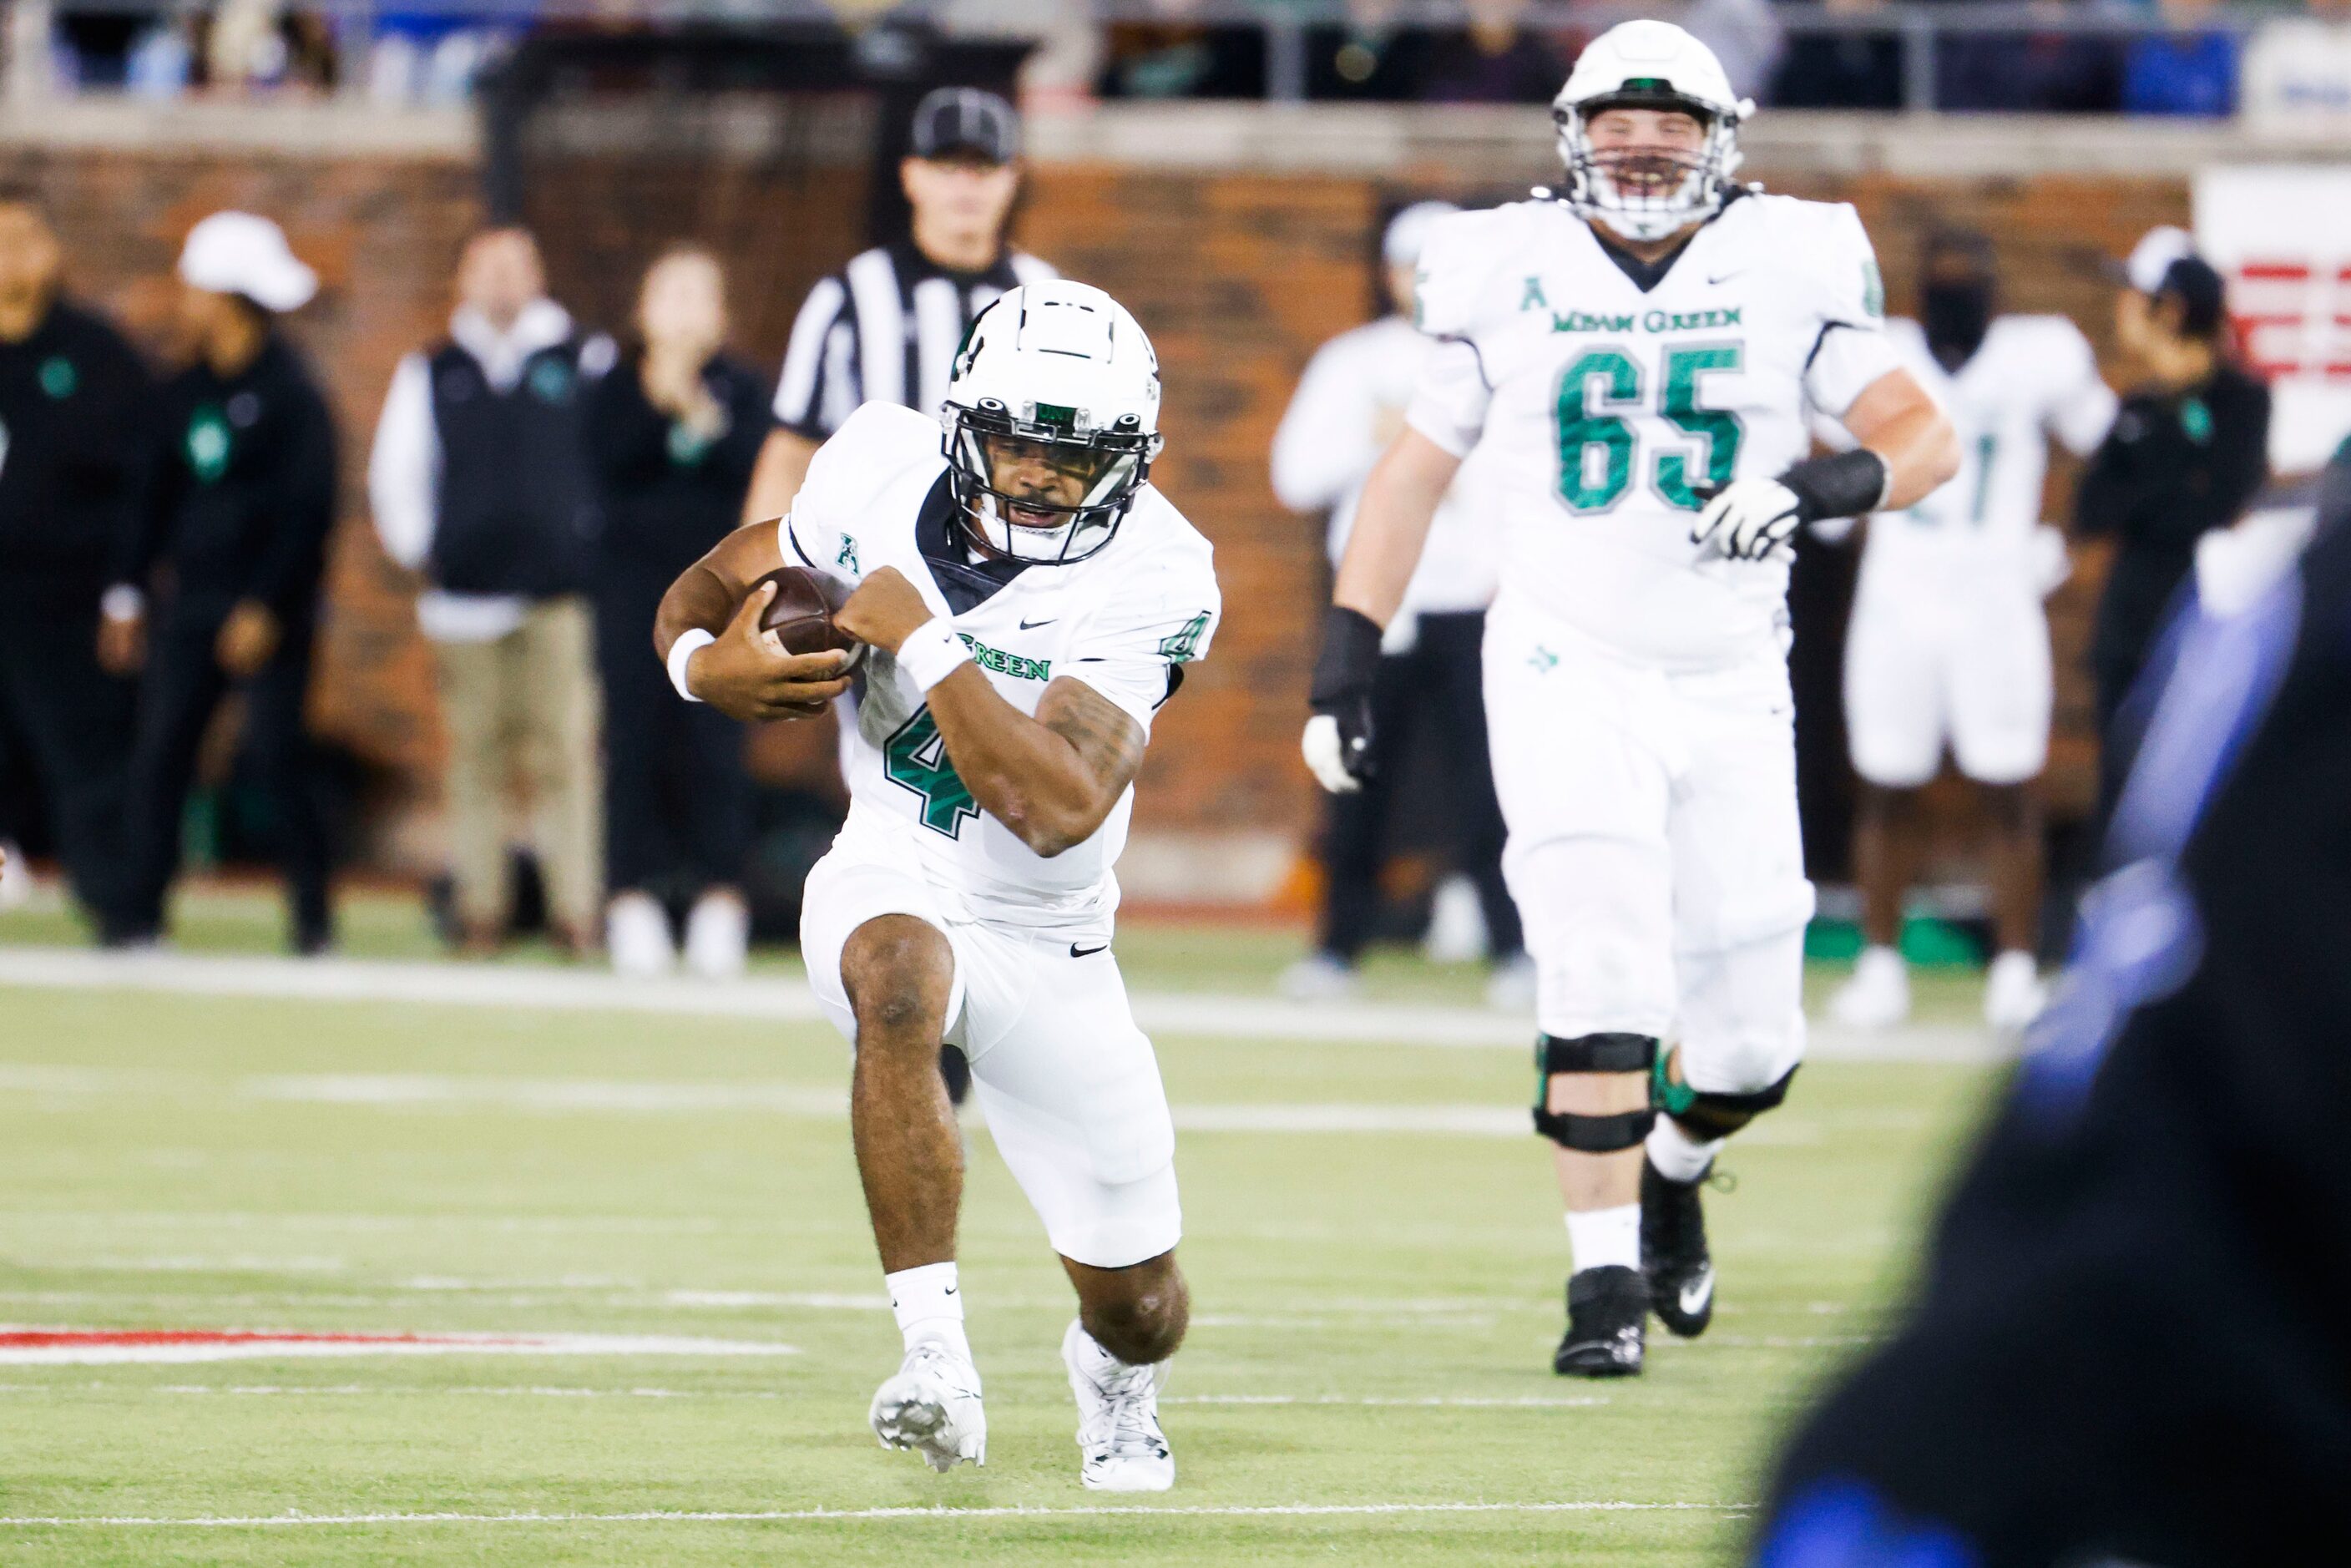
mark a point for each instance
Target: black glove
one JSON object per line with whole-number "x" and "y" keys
{"x": 1341, "y": 693}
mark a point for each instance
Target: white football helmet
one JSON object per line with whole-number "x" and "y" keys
{"x": 1648, "y": 65}
{"x": 1057, "y": 373}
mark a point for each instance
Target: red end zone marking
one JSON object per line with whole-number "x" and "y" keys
{"x": 29, "y": 1344}
{"x": 48, "y": 1339}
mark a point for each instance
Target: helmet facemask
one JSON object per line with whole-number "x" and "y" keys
{"x": 1069, "y": 485}
{"x": 1648, "y": 192}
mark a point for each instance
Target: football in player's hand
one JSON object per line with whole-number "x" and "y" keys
{"x": 799, "y": 617}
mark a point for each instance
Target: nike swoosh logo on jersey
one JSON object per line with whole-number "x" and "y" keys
{"x": 1032, "y": 625}
{"x": 1725, "y": 278}
{"x": 1078, "y": 952}
{"x": 1695, "y": 1296}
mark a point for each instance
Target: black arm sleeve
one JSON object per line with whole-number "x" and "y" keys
{"x": 628, "y": 438}
{"x": 748, "y": 420}
{"x": 302, "y": 513}
{"x": 160, "y": 481}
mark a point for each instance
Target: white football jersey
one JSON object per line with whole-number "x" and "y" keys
{"x": 2032, "y": 377}
{"x": 1616, "y": 409}
{"x": 1328, "y": 440}
{"x": 1124, "y": 620}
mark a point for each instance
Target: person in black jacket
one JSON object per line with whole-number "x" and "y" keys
{"x": 73, "y": 457}
{"x": 244, "y": 496}
{"x": 2128, "y": 1344}
{"x": 2187, "y": 452}
{"x": 675, "y": 431}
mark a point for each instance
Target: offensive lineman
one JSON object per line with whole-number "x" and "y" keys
{"x": 1642, "y": 350}
{"x": 1028, "y": 603}
{"x": 1949, "y": 640}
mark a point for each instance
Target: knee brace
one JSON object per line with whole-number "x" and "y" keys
{"x": 1591, "y": 1053}
{"x": 1706, "y": 1115}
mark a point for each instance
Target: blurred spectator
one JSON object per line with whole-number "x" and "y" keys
{"x": 1743, "y": 34}
{"x": 480, "y": 480}
{"x": 2049, "y": 73}
{"x": 1369, "y": 56}
{"x": 675, "y": 429}
{"x": 1348, "y": 407}
{"x": 1496, "y": 59}
{"x": 1174, "y": 57}
{"x": 2188, "y": 451}
{"x": 1062, "y": 70}
{"x": 2190, "y": 72}
{"x": 2297, "y": 72}
{"x": 244, "y": 498}
{"x": 1843, "y": 69}
{"x": 74, "y": 404}
{"x": 430, "y": 57}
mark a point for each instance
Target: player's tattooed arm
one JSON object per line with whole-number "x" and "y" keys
{"x": 1051, "y": 778}
{"x": 741, "y": 672}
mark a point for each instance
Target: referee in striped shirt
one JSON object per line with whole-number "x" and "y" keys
{"x": 885, "y": 326}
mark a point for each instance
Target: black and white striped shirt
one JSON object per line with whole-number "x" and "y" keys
{"x": 884, "y": 329}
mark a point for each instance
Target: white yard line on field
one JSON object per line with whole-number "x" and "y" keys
{"x": 598, "y": 1096}
{"x": 1208, "y": 1015}
{"x": 427, "y": 1391}
{"x": 823, "y": 1515}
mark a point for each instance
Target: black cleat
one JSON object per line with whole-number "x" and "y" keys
{"x": 1606, "y": 1309}
{"x": 1673, "y": 1252}
{"x": 956, "y": 1068}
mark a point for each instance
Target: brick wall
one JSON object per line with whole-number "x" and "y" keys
{"x": 1238, "y": 277}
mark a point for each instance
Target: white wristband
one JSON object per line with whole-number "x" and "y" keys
{"x": 687, "y": 644}
{"x": 931, "y": 653}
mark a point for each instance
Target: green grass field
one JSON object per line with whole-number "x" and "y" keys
{"x": 1367, "y": 1376}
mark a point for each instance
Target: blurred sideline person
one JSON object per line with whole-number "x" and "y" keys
{"x": 1348, "y": 407}
{"x": 2128, "y": 1344}
{"x": 673, "y": 429}
{"x": 1027, "y": 603}
{"x": 244, "y": 498}
{"x": 1640, "y": 353}
{"x": 884, "y": 328}
{"x": 480, "y": 480}
{"x": 1948, "y": 642}
{"x": 75, "y": 452}
{"x": 2189, "y": 451}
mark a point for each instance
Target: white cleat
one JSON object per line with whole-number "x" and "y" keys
{"x": 16, "y": 877}
{"x": 1118, "y": 1418}
{"x": 1878, "y": 995}
{"x": 636, "y": 935}
{"x": 2014, "y": 994}
{"x": 1317, "y": 977}
{"x": 718, "y": 936}
{"x": 931, "y": 1405}
{"x": 1511, "y": 988}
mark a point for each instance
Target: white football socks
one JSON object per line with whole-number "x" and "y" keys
{"x": 929, "y": 1306}
{"x": 1677, "y": 1155}
{"x": 1606, "y": 1237}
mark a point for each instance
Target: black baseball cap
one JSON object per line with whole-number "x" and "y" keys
{"x": 952, "y": 120}
{"x": 2202, "y": 294}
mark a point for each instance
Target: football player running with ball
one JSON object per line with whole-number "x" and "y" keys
{"x": 1643, "y": 348}
{"x": 1028, "y": 601}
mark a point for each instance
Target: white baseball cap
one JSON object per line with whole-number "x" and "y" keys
{"x": 1409, "y": 231}
{"x": 240, "y": 253}
{"x": 2151, "y": 258}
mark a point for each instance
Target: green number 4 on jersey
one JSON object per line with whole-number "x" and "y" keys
{"x": 916, "y": 759}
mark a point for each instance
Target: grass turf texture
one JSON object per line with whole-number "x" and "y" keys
{"x": 156, "y": 1187}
